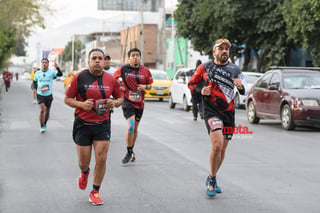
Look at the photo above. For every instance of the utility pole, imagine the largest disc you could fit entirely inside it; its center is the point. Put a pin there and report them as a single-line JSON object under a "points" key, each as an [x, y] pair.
{"points": [[73, 52], [141, 32]]}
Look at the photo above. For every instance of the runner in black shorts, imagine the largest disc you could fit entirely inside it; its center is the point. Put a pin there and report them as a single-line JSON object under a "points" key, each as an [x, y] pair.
{"points": [[129, 110], [89, 92], [44, 78], [220, 76], [46, 100], [135, 80]]}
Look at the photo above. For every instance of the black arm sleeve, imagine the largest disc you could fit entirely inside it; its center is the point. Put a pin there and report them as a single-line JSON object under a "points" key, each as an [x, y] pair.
{"points": [[59, 72]]}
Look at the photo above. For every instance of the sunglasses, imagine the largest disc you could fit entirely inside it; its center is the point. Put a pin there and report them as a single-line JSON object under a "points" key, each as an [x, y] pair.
{"points": [[220, 40]]}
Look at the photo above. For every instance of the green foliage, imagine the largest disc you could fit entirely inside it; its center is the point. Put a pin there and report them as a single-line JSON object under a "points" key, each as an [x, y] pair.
{"points": [[17, 18], [268, 27], [303, 24], [67, 53]]}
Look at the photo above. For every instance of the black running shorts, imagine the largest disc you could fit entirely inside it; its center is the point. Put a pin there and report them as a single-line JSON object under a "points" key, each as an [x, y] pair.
{"points": [[215, 123], [85, 133], [129, 110], [47, 100]]}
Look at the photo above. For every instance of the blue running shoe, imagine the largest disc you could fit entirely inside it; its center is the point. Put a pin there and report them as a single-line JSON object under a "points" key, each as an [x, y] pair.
{"points": [[211, 187], [45, 127], [218, 189]]}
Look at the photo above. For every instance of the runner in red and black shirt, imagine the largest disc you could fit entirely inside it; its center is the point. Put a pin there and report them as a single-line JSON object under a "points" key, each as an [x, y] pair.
{"points": [[89, 93], [221, 77], [135, 80], [7, 76]]}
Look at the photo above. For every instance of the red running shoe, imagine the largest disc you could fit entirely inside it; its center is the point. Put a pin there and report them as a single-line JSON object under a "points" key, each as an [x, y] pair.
{"points": [[94, 198], [83, 180]]}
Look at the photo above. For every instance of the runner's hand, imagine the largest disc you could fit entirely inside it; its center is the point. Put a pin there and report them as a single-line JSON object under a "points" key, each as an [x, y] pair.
{"points": [[237, 83], [87, 105], [206, 91], [141, 87], [111, 103]]}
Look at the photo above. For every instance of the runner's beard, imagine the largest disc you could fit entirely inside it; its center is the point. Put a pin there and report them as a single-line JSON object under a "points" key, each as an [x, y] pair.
{"points": [[223, 59]]}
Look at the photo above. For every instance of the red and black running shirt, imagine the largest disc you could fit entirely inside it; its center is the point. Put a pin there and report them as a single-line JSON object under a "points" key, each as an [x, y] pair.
{"points": [[85, 86], [221, 101], [131, 77]]}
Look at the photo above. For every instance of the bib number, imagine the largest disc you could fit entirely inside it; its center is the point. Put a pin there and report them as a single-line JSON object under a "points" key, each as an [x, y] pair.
{"points": [[44, 88], [135, 96], [101, 106]]}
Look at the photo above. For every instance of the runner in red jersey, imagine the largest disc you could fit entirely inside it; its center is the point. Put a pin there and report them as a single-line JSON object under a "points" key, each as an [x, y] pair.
{"points": [[7, 76], [135, 80], [221, 77], [89, 93]]}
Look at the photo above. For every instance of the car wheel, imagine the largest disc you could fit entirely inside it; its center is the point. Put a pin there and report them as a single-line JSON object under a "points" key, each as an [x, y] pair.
{"points": [[185, 104], [237, 101], [160, 99], [286, 118], [251, 114], [171, 104]]}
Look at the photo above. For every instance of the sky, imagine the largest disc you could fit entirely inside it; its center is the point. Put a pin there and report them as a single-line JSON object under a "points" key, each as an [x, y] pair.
{"points": [[66, 12]]}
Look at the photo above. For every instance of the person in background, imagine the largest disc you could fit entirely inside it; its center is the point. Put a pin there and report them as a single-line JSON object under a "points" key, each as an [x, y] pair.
{"points": [[89, 93], [107, 68], [196, 96], [44, 78], [135, 80], [34, 85], [7, 76], [220, 77]]}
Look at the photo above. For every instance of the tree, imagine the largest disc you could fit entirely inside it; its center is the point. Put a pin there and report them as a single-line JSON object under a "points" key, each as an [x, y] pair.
{"points": [[257, 24], [303, 25], [67, 53], [17, 19]]}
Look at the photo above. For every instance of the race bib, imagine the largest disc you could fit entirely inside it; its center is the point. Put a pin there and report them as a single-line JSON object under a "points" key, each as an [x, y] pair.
{"points": [[135, 96], [215, 123], [44, 88], [101, 106]]}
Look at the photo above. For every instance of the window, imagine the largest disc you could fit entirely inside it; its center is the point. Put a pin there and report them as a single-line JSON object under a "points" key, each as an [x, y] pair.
{"points": [[275, 80], [263, 82]]}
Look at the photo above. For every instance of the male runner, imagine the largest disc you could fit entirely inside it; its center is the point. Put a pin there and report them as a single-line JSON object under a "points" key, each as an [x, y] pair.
{"points": [[135, 80], [220, 76], [89, 93], [44, 78]]}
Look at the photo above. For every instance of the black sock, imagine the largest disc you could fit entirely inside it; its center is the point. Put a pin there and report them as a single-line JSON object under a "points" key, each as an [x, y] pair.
{"points": [[41, 125], [130, 149], [95, 187], [213, 178], [86, 172]]}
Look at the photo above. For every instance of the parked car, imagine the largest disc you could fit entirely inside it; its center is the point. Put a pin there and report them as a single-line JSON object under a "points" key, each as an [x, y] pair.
{"points": [[179, 92], [251, 77], [160, 86], [286, 93]]}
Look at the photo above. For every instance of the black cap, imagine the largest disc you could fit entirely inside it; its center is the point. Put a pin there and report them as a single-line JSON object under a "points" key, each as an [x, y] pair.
{"points": [[106, 56]]}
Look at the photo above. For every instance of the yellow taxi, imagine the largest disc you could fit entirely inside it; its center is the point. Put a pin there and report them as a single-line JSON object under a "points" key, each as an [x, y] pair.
{"points": [[160, 86], [68, 78]]}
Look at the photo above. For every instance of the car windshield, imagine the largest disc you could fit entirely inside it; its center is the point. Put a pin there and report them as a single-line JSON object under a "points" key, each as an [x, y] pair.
{"points": [[301, 80], [159, 76], [251, 78]]}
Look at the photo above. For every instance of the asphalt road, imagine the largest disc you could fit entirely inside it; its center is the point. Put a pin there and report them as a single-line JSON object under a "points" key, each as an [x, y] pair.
{"points": [[268, 171]]}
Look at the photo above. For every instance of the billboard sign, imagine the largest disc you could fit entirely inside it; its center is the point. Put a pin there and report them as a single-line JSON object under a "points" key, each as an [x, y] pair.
{"points": [[130, 5]]}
